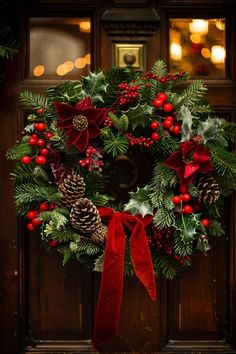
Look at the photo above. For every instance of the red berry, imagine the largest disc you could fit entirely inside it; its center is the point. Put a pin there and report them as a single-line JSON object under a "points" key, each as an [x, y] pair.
{"points": [[167, 123], [43, 206], [154, 125], [32, 141], [155, 136], [44, 151], [40, 111], [167, 107], [162, 96], [183, 189], [26, 159], [40, 142], [36, 125], [176, 129], [30, 226], [37, 222], [32, 214], [163, 80], [176, 199], [170, 118], [48, 135], [157, 103], [23, 133], [53, 243], [205, 222], [51, 206], [40, 126], [35, 136], [40, 160], [187, 209], [186, 197]]}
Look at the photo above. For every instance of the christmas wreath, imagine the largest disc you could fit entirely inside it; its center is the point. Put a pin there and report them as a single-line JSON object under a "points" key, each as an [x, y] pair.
{"points": [[63, 178]]}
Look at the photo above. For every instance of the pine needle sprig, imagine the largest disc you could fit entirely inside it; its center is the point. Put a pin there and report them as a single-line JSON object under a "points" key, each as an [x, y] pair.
{"points": [[19, 150], [29, 192], [192, 94], [166, 265], [223, 161], [116, 145], [33, 100], [229, 130]]}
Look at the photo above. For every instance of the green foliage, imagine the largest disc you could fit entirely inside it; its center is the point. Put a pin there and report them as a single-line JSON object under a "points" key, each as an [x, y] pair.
{"points": [[192, 94], [164, 216], [121, 123], [9, 49], [67, 254], [211, 130], [181, 247], [68, 91], [64, 235], [215, 229], [95, 183], [86, 246], [166, 265], [193, 190], [187, 225], [165, 146], [22, 174], [223, 161], [33, 100], [159, 68], [139, 115], [229, 130], [117, 144], [163, 179], [187, 121], [29, 192], [139, 202], [100, 199], [203, 245], [58, 219], [94, 85], [19, 150]]}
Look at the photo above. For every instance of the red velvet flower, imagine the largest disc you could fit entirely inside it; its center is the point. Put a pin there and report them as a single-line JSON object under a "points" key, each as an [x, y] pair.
{"points": [[80, 122], [190, 159]]}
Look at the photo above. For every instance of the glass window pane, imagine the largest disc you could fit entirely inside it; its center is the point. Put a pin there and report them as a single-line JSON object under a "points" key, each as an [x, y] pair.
{"points": [[198, 46], [59, 47]]}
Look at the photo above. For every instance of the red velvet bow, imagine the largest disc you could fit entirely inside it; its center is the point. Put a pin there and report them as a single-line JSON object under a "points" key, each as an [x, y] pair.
{"points": [[110, 294]]}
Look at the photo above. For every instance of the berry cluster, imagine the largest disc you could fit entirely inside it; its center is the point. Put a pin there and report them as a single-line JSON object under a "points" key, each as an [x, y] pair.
{"points": [[107, 122], [39, 140], [128, 95], [141, 141], [164, 79], [161, 239], [33, 215], [92, 159]]}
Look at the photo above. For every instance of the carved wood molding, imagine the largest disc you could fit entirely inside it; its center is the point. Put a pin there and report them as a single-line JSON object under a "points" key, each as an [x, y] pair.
{"points": [[138, 22]]}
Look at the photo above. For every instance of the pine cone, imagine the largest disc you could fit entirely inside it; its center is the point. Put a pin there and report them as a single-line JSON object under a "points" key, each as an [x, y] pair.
{"points": [[72, 187], [84, 216], [100, 234], [209, 190]]}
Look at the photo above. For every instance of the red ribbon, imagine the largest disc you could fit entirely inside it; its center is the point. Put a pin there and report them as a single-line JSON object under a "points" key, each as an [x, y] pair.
{"points": [[110, 294]]}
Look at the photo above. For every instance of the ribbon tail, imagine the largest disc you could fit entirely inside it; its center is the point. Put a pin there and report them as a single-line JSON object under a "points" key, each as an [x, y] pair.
{"points": [[141, 259], [111, 288]]}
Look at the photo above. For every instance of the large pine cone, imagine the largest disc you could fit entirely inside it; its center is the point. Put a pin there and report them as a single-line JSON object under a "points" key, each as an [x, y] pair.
{"points": [[84, 216], [209, 190], [72, 187], [100, 234]]}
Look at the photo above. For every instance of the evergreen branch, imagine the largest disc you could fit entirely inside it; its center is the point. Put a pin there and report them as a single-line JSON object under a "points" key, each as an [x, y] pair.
{"points": [[66, 235], [9, 49], [164, 217], [116, 145], [29, 192], [87, 246], [192, 94], [19, 150], [67, 254], [65, 92], [99, 199], [22, 174], [165, 146], [33, 100], [181, 247], [58, 219], [223, 161], [229, 130], [166, 265], [215, 229], [159, 68]]}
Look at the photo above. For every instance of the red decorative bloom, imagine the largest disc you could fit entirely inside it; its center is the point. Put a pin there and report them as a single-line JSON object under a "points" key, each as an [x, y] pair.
{"points": [[80, 122], [190, 159]]}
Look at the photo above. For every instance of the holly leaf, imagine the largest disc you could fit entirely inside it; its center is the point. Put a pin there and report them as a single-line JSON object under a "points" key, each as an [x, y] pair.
{"points": [[138, 115], [94, 85], [187, 121], [203, 245], [211, 129], [121, 123], [187, 225], [139, 202]]}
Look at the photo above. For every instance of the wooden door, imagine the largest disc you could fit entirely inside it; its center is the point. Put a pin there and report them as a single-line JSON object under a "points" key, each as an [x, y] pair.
{"points": [[48, 308]]}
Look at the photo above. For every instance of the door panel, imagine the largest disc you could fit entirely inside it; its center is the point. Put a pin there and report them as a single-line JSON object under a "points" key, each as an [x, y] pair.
{"points": [[48, 308]]}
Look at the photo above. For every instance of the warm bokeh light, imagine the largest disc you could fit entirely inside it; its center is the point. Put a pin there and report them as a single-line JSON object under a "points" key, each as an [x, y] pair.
{"points": [[39, 70], [199, 26], [175, 51], [220, 24], [85, 26], [206, 53], [87, 58], [195, 38], [62, 70], [217, 54], [80, 63], [69, 65]]}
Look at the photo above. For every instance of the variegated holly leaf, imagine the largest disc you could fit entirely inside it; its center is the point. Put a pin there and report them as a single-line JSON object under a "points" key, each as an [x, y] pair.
{"points": [[211, 129], [187, 225], [139, 202], [187, 121], [120, 123], [138, 115], [94, 85]]}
